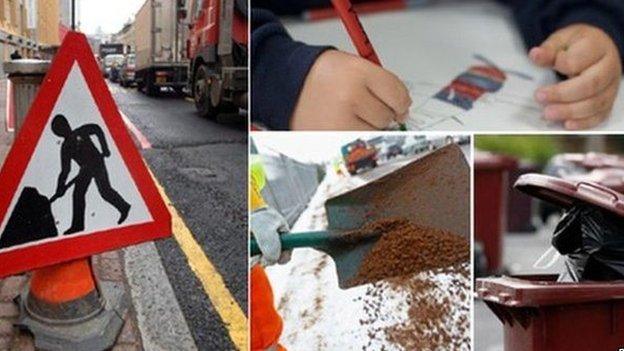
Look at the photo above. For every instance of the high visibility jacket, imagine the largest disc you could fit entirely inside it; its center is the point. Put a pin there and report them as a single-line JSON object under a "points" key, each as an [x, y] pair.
{"points": [[258, 180], [266, 323]]}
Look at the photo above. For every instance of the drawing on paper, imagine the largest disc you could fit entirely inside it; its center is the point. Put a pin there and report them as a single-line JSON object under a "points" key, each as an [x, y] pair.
{"points": [[466, 88], [461, 94]]}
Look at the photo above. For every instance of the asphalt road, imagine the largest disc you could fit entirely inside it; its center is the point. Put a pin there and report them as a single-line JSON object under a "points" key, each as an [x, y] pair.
{"points": [[202, 165]]}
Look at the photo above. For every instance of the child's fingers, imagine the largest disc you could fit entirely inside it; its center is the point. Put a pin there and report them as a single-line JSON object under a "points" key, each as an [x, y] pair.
{"points": [[580, 55], [545, 54], [602, 102], [359, 124], [592, 81], [544, 57], [586, 123], [389, 89], [373, 111]]}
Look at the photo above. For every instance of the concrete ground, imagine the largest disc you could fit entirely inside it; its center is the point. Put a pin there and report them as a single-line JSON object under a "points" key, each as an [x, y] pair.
{"points": [[188, 292]]}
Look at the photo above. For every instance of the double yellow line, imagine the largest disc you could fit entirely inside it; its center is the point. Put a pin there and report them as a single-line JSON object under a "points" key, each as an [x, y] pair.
{"points": [[230, 312]]}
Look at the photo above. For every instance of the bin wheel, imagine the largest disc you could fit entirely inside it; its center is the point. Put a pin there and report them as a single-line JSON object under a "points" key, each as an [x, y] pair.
{"points": [[207, 93]]}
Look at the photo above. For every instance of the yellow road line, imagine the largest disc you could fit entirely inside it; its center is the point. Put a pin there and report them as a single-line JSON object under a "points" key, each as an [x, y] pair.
{"points": [[230, 312]]}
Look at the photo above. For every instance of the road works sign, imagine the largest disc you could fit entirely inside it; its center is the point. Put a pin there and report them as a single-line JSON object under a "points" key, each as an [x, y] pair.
{"points": [[73, 184]]}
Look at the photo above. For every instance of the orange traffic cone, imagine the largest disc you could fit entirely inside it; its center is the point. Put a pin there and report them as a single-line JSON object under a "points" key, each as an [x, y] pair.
{"points": [[64, 310]]}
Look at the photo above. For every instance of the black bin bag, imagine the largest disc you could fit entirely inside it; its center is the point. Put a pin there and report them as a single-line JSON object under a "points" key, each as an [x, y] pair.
{"points": [[592, 239]]}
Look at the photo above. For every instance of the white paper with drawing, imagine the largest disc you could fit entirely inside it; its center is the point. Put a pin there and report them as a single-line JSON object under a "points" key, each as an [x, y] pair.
{"points": [[484, 95], [430, 46]]}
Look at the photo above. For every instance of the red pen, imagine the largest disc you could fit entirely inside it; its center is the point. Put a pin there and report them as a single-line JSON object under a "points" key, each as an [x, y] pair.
{"points": [[358, 36], [355, 29]]}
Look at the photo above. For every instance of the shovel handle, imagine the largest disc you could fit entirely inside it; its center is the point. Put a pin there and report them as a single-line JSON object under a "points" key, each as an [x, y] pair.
{"points": [[295, 240]]}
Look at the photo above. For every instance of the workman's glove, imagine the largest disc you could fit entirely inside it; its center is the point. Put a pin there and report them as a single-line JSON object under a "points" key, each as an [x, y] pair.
{"points": [[267, 225]]}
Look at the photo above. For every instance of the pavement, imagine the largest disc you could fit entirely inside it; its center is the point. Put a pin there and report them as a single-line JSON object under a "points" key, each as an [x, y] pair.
{"points": [[188, 292], [108, 267]]}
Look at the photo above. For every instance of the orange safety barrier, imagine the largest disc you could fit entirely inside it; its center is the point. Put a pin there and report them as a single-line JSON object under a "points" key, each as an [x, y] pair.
{"points": [[63, 282], [266, 323]]}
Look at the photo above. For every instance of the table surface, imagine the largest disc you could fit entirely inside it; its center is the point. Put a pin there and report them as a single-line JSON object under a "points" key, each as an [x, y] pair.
{"points": [[428, 46]]}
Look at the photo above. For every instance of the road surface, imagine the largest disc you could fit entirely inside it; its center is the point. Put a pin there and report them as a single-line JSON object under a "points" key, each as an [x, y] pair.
{"points": [[201, 164]]}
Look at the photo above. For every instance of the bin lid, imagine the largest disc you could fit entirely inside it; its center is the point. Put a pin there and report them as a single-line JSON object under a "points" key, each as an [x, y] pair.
{"points": [[544, 290], [612, 178], [593, 160], [486, 160], [565, 192], [26, 66]]}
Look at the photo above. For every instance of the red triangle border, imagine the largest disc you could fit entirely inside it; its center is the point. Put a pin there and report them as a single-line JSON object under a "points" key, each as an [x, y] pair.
{"points": [[75, 48]]}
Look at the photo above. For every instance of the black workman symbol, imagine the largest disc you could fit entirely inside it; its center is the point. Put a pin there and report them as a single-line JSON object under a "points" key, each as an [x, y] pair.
{"points": [[78, 146]]}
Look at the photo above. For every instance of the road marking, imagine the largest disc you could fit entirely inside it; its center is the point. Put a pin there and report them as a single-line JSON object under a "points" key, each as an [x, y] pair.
{"points": [[145, 144], [230, 312]]}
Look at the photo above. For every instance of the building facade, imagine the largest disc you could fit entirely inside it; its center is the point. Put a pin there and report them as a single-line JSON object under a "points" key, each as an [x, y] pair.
{"points": [[29, 27], [127, 37], [48, 20]]}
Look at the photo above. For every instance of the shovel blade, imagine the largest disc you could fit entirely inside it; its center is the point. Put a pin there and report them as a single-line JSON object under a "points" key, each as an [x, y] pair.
{"points": [[347, 255], [432, 191]]}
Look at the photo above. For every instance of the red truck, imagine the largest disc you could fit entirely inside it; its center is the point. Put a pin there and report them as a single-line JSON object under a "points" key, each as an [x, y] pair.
{"points": [[216, 45]]}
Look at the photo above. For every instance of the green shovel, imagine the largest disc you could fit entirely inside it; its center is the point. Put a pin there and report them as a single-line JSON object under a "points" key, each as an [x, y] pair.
{"points": [[432, 191], [346, 250]]}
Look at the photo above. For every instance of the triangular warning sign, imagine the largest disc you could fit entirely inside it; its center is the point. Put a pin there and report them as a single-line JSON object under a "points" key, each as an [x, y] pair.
{"points": [[73, 184]]}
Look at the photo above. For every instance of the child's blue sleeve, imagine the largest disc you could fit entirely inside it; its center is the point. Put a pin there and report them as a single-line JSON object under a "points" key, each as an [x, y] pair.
{"points": [[289, 7], [537, 19], [279, 66]]}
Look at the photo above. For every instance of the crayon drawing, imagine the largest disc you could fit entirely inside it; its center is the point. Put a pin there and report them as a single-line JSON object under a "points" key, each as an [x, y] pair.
{"points": [[479, 85]]}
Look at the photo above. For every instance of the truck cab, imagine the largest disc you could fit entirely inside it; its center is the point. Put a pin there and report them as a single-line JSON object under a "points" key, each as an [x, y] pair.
{"points": [[216, 46], [359, 155]]}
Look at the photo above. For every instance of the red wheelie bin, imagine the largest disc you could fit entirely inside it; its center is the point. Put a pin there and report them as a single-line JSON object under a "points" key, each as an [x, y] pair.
{"points": [[491, 182], [538, 312], [593, 160], [612, 178]]}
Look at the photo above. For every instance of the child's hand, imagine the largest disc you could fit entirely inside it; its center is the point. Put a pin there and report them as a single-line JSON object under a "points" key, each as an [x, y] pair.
{"points": [[343, 91], [590, 59]]}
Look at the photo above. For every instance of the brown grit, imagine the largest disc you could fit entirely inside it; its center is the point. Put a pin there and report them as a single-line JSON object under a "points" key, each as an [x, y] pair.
{"points": [[437, 316], [405, 249]]}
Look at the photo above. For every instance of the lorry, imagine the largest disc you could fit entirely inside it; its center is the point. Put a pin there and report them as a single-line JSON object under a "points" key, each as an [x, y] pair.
{"points": [[110, 49], [216, 45], [159, 62], [359, 155]]}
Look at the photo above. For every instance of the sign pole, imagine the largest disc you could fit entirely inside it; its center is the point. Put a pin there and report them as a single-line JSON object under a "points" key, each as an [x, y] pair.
{"points": [[73, 15]]}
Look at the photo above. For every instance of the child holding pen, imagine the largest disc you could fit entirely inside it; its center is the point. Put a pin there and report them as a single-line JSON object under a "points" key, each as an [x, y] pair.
{"points": [[297, 86]]}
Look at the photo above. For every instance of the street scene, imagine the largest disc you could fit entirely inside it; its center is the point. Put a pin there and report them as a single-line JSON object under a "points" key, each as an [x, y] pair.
{"points": [[364, 218], [547, 241], [138, 140]]}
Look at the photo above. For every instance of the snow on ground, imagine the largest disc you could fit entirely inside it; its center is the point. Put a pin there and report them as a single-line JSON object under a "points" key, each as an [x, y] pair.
{"points": [[317, 314]]}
